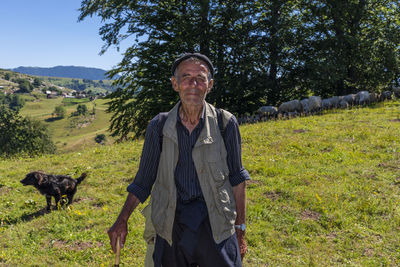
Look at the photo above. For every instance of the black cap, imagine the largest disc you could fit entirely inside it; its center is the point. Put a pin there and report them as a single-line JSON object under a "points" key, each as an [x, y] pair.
{"points": [[197, 55]]}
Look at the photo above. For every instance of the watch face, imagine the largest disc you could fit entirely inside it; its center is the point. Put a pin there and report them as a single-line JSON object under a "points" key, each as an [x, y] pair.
{"points": [[242, 227]]}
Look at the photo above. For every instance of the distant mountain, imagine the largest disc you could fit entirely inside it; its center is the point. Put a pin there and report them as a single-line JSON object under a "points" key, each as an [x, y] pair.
{"points": [[65, 72]]}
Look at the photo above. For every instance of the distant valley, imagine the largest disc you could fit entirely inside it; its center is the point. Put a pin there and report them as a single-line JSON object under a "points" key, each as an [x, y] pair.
{"points": [[65, 72]]}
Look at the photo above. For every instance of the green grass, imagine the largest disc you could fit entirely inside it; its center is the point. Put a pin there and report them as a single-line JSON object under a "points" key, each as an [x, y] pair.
{"points": [[72, 132], [64, 82], [325, 191]]}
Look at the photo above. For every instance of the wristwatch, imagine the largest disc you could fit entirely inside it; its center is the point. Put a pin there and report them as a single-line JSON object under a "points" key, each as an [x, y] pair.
{"points": [[241, 227]]}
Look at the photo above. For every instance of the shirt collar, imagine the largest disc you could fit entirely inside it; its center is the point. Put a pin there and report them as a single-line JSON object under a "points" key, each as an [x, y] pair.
{"points": [[201, 117]]}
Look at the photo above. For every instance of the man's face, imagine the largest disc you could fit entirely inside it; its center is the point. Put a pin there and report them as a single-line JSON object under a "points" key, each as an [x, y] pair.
{"points": [[192, 82]]}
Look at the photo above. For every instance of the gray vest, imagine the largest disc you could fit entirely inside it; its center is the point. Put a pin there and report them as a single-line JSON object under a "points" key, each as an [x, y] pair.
{"points": [[209, 156]]}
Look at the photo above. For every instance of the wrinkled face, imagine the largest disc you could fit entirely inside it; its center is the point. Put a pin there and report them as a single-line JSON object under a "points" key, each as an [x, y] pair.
{"points": [[192, 83]]}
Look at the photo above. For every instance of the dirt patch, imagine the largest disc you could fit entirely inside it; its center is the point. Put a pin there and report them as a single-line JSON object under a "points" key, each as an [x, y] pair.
{"points": [[371, 176], [59, 244], [76, 246], [369, 252], [4, 189], [80, 199], [254, 182], [85, 122], [332, 235], [388, 166], [299, 131], [86, 245], [395, 120], [310, 215], [397, 180], [273, 195]]}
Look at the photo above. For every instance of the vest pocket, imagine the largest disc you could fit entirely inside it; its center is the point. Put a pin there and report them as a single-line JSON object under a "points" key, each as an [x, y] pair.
{"points": [[228, 205], [158, 207], [217, 170], [149, 233]]}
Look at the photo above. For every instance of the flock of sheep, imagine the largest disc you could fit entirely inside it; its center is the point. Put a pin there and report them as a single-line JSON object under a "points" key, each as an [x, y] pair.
{"points": [[315, 104]]}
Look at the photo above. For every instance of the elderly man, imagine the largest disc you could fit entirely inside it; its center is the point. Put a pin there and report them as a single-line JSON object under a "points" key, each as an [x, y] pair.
{"points": [[191, 165]]}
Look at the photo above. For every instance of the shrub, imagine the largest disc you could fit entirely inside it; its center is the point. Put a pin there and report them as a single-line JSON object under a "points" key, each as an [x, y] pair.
{"points": [[19, 135], [81, 109], [14, 102], [25, 86], [100, 138], [60, 112], [37, 82]]}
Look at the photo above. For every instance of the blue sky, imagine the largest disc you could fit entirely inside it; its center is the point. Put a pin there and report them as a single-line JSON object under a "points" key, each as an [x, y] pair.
{"points": [[46, 33]]}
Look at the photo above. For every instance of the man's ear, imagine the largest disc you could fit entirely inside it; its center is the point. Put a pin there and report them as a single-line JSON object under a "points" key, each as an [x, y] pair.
{"points": [[210, 85], [174, 83]]}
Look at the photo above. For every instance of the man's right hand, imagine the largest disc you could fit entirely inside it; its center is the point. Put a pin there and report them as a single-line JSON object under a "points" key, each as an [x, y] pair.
{"points": [[119, 228]]}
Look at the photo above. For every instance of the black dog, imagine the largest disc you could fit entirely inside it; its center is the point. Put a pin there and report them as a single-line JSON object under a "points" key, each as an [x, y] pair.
{"points": [[57, 186]]}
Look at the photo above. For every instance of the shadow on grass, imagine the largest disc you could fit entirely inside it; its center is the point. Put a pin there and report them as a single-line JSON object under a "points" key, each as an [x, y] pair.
{"points": [[26, 217], [53, 119]]}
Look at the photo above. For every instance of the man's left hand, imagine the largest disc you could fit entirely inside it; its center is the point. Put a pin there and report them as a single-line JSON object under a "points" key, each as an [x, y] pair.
{"points": [[242, 242]]}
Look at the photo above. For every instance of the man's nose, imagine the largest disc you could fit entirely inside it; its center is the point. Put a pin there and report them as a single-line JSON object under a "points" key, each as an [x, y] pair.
{"points": [[193, 81]]}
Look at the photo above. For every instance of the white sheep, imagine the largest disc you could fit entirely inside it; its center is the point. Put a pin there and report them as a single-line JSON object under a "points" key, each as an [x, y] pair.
{"points": [[290, 106], [314, 103], [304, 105], [350, 99], [327, 103], [268, 112], [362, 98], [343, 104], [386, 95]]}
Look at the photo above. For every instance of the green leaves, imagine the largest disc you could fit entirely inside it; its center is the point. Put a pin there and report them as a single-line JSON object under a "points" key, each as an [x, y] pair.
{"points": [[19, 135], [264, 52]]}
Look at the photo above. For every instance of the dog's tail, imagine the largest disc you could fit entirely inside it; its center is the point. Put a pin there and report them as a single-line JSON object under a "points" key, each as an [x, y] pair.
{"points": [[80, 179]]}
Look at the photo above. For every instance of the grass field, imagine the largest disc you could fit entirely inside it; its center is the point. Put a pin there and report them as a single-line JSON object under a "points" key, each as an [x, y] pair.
{"points": [[72, 132], [65, 82], [325, 191]]}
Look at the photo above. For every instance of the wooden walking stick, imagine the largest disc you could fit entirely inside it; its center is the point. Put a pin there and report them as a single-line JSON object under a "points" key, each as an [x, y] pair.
{"points": [[117, 253]]}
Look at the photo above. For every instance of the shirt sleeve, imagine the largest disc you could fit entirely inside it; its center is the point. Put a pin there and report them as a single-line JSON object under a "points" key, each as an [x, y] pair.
{"points": [[232, 139], [147, 173]]}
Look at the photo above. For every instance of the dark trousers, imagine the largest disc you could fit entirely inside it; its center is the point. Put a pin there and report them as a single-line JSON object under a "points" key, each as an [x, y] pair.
{"points": [[196, 249]]}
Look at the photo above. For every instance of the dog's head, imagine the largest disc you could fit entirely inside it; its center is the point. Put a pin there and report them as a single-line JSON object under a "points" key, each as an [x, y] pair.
{"points": [[33, 178]]}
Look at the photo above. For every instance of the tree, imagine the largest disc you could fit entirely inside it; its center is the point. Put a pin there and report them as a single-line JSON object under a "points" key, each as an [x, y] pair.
{"points": [[351, 45], [14, 102], [37, 82], [25, 86], [19, 135], [144, 89], [81, 109], [60, 112], [100, 138], [265, 52]]}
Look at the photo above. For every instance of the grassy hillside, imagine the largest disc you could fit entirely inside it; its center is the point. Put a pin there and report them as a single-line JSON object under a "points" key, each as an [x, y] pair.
{"points": [[71, 132], [325, 191], [8, 83], [74, 83]]}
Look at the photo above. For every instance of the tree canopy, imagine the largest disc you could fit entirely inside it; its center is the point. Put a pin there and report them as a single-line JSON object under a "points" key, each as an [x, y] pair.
{"points": [[14, 101], [19, 135], [264, 52]]}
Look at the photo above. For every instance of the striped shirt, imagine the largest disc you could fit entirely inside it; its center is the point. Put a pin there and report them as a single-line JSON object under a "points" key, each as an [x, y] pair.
{"points": [[186, 180]]}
